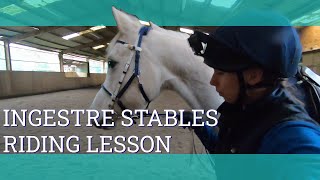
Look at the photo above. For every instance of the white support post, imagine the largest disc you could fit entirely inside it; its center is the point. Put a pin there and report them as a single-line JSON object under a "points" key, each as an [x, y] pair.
{"points": [[88, 73], [7, 55], [61, 62]]}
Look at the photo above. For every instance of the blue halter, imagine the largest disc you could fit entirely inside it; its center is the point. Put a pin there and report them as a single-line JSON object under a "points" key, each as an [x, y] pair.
{"points": [[142, 32]]}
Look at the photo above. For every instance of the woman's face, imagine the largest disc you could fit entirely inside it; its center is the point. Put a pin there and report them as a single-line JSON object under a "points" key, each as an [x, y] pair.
{"points": [[226, 84]]}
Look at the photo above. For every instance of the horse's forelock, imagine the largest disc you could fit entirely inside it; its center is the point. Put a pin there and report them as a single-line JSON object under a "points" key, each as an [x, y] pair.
{"points": [[112, 43]]}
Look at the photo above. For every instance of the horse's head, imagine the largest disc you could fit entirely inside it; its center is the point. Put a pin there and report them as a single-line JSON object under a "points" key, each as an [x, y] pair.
{"points": [[132, 80], [143, 61]]}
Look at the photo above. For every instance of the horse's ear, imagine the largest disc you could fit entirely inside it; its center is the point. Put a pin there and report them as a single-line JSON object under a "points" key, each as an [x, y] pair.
{"points": [[155, 27], [125, 22]]}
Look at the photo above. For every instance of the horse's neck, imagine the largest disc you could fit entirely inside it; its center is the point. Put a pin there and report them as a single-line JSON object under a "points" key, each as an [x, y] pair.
{"points": [[190, 77]]}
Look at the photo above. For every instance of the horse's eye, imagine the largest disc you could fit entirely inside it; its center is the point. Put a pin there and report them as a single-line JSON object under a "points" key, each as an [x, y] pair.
{"points": [[112, 63]]}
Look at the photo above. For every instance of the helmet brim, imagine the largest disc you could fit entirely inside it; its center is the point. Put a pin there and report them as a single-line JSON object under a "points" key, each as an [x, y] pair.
{"points": [[219, 56]]}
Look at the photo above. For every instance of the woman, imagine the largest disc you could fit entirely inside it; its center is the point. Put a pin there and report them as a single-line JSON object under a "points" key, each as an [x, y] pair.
{"points": [[259, 115]]}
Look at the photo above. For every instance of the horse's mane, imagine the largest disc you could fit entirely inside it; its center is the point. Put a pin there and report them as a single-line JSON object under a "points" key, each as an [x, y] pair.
{"points": [[180, 36], [177, 34], [171, 33]]}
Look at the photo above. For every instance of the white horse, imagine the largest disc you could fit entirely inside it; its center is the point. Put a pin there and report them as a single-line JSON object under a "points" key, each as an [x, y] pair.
{"points": [[166, 62]]}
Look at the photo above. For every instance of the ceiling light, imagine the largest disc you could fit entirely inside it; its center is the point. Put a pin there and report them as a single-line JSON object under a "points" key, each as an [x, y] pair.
{"points": [[95, 28], [98, 47], [188, 31], [70, 36]]}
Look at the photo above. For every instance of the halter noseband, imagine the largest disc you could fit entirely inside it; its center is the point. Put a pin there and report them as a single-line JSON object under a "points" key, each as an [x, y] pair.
{"points": [[136, 74]]}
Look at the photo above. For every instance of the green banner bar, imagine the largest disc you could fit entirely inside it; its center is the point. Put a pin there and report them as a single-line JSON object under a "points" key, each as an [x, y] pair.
{"points": [[143, 166], [161, 12]]}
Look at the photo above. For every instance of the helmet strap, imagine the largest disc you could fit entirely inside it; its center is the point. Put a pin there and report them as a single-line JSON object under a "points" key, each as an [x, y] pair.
{"points": [[242, 88]]}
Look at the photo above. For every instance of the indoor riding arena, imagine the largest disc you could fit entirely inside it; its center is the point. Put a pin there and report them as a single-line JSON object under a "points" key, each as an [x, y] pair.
{"points": [[42, 68], [48, 69]]}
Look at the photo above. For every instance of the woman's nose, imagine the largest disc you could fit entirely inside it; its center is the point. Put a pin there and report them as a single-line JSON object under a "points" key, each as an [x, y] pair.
{"points": [[213, 80]]}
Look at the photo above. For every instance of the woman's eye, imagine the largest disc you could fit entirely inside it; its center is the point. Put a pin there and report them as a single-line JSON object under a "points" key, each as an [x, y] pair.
{"points": [[112, 63]]}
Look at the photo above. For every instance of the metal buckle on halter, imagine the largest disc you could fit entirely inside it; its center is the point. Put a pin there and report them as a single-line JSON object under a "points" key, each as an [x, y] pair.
{"points": [[126, 67], [134, 48], [138, 48], [138, 77], [130, 46]]}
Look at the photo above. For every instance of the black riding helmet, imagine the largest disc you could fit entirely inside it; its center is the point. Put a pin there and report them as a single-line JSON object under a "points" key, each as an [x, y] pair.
{"points": [[276, 49]]}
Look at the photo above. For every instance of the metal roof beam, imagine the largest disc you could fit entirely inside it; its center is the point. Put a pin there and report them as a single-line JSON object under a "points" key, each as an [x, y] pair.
{"points": [[94, 43], [32, 34]]}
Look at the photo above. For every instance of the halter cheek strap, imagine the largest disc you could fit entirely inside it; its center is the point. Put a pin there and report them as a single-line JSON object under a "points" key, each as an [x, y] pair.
{"points": [[136, 74]]}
